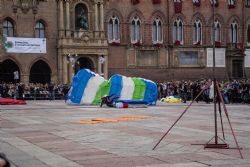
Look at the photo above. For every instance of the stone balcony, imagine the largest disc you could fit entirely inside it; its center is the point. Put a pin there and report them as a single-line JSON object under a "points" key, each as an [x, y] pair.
{"points": [[82, 37], [83, 42], [235, 49]]}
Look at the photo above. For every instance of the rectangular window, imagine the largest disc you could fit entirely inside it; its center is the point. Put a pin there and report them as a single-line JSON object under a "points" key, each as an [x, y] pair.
{"points": [[137, 33], [147, 58], [37, 35], [247, 3], [220, 60], [10, 33], [110, 32], [174, 33], [179, 33], [116, 32], [154, 33], [42, 34], [247, 58], [160, 33], [188, 58], [248, 34], [5, 32]]}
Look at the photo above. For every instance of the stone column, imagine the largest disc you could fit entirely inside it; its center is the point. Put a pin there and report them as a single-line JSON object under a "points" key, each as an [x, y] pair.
{"points": [[71, 73], [59, 68], [24, 78], [106, 67], [101, 17], [99, 65], [96, 17], [67, 19], [61, 19], [65, 70]]}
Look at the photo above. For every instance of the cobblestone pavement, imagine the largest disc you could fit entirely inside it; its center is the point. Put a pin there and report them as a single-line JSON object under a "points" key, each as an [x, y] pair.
{"points": [[49, 133]]}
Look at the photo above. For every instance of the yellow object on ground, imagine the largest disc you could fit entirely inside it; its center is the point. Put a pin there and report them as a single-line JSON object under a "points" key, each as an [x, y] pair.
{"points": [[107, 120], [171, 99]]}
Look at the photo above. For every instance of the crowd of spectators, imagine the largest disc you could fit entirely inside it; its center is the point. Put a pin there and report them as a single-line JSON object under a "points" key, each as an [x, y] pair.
{"points": [[33, 91], [232, 91]]}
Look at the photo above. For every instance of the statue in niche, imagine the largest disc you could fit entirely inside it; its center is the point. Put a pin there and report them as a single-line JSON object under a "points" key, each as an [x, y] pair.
{"points": [[83, 20]]}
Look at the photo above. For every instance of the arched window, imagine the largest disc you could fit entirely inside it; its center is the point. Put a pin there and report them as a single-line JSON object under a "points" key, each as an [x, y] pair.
{"points": [[8, 28], [113, 29], [40, 30], [234, 32], [81, 17], [217, 31], [196, 1], [247, 3], [157, 31], [248, 33], [214, 2], [231, 2], [178, 31], [135, 30], [197, 32]]}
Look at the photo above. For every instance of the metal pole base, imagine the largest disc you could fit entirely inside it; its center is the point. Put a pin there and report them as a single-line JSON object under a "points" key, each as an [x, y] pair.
{"points": [[213, 145]]}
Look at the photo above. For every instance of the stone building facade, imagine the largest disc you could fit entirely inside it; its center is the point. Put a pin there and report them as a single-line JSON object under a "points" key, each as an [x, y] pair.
{"points": [[155, 39], [185, 48], [73, 30], [19, 19]]}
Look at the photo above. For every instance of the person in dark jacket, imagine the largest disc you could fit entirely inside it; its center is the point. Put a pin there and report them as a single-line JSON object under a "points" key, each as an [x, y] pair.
{"points": [[4, 162], [51, 91]]}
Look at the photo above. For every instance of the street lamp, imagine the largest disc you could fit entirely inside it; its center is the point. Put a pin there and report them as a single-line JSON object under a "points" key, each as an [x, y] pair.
{"points": [[101, 61]]}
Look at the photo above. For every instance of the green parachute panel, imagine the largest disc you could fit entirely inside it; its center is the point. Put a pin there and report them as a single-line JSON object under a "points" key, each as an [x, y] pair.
{"points": [[140, 88], [102, 91]]}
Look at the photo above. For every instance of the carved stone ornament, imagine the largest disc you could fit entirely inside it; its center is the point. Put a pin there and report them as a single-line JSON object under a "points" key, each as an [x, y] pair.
{"points": [[25, 5], [85, 38]]}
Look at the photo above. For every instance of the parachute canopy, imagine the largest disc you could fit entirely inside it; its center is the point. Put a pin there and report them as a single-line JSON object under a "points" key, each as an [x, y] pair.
{"points": [[88, 88]]}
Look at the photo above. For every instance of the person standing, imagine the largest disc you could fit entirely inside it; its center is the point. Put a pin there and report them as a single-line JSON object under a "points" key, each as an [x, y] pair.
{"points": [[16, 76], [20, 91], [51, 91], [183, 91]]}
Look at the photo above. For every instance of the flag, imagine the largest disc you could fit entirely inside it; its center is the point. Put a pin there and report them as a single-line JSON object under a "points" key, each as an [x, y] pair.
{"points": [[178, 7]]}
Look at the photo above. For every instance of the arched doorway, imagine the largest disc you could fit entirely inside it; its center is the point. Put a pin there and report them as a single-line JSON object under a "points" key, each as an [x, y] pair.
{"points": [[7, 69], [84, 62], [40, 72]]}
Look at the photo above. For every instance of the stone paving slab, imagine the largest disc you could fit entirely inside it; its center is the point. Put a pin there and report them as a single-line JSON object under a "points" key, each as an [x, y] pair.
{"points": [[48, 133]]}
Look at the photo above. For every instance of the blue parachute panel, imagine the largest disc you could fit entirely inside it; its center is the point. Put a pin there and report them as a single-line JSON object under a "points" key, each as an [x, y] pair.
{"points": [[116, 85], [80, 81], [151, 92]]}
